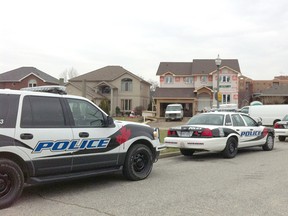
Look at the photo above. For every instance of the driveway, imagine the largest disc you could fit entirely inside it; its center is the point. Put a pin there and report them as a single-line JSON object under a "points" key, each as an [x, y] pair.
{"points": [[161, 123]]}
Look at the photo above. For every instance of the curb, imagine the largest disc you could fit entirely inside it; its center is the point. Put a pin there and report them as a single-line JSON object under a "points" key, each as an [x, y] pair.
{"points": [[172, 154]]}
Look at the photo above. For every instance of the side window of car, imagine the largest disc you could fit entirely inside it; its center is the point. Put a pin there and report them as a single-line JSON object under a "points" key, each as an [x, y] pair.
{"points": [[249, 121], [42, 112], [228, 121], [237, 120], [85, 114], [8, 110]]}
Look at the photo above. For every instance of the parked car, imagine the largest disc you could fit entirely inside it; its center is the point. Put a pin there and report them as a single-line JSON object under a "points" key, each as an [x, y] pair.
{"points": [[281, 128], [47, 137], [224, 132], [174, 112]]}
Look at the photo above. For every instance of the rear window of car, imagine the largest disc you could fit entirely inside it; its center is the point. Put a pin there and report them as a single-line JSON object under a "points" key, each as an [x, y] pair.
{"points": [[8, 110], [42, 112], [207, 119]]}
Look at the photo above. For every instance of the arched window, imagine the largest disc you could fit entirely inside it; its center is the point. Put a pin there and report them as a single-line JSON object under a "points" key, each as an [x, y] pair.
{"points": [[32, 83], [126, 84], [105, 89]]}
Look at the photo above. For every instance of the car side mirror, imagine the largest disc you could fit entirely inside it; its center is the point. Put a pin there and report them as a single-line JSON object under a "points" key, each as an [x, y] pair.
{"points": [[109, 121]]}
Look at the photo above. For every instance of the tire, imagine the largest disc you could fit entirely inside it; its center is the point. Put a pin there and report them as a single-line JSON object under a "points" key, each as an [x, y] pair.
{"points": [[138, 163], [187, 152], [269, 145], [282, 138], [11, 182], [231, 148]]}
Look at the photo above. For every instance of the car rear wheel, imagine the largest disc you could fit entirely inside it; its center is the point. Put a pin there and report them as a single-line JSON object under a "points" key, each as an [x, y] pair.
{"points": [[187, 152], [231, 148], [269, 145], [138, 163], [282, 138], [11, 182]]}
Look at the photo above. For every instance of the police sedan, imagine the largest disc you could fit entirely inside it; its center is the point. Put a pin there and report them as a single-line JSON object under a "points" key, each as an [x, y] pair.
{"points": [[224, 132]]}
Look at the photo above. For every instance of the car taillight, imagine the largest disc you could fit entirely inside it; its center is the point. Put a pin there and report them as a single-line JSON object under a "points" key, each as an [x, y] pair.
{"points": [[207, 133], [171, 133], [276, 125]]}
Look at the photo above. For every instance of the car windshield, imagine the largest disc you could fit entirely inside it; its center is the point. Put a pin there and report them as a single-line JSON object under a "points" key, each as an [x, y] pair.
{"points": [[207, 119], [173, 108]]}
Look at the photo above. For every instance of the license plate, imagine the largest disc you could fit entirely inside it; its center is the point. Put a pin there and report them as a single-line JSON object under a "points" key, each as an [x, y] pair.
{"points": [[186, 133]]}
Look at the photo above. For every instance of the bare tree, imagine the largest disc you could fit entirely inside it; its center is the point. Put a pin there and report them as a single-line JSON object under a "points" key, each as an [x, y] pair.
{"points": [[68, 74], [154, 84]]}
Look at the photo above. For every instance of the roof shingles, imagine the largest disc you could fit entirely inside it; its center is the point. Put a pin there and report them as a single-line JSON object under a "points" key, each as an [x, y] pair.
{"points": [[18, 74]]}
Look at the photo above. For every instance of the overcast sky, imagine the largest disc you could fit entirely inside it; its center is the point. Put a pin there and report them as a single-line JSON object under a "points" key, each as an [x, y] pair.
{"points": [[55, 36]]}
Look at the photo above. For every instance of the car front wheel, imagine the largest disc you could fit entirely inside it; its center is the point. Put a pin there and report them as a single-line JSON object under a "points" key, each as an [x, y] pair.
{"points": [[269, 145], [138, 163], [231, 148]]}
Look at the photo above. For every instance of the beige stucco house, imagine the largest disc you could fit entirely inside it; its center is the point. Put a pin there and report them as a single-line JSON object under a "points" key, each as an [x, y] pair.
{"points": [[122, 88]]}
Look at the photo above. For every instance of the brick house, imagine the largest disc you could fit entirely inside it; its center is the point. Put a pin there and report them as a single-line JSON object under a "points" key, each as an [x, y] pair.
{"points": [[122, 88], [193, 84], [26, 77]]}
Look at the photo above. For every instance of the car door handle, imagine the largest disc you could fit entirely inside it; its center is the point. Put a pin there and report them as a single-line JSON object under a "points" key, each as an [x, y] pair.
{"points": [[83, 134], [26, 136]]}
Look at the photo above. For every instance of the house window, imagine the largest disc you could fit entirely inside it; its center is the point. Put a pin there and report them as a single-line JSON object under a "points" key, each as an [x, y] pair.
{"points": [[203, 79], [126, 84], [188, 80], [105, 89], [275, 84], [126, 105], [32, 83], [226, 98], [225, 78], [168, 79]]}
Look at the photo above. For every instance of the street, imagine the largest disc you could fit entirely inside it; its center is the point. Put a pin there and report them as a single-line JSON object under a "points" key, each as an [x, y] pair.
{"points": [[253, 183]]}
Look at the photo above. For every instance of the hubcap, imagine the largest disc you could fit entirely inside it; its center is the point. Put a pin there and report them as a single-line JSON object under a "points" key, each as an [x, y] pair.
{"points": [[232, 147], [270, 141], [139, 162]]}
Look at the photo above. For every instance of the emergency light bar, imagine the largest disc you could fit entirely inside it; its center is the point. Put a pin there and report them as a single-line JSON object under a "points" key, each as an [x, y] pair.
{"points": [[50, 89]]}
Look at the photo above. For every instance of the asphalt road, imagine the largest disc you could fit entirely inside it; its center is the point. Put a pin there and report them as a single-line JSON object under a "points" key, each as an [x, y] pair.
{"points": [[253, 183]]}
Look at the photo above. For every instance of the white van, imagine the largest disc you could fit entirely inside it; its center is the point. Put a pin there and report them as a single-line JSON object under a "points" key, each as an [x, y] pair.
{"points": [[269, 114], [174, 112]]}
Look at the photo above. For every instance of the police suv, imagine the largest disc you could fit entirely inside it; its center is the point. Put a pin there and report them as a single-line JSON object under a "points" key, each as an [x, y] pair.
{"points": [[46, 137], [224, 132]]}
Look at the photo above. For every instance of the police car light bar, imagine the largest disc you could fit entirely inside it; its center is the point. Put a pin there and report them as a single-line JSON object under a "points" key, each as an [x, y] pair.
{"points": [[50, 89]]}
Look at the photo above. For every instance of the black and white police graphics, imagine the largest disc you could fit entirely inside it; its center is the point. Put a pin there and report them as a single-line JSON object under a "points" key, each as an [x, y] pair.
{"points": [[224, 132], [46, 137]]}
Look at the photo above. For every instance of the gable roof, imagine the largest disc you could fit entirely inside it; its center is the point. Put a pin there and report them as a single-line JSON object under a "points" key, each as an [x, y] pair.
{"points": [[207, 66], [177, 68], [174, 93], [108, 73], [18, 74], [198, 66]]}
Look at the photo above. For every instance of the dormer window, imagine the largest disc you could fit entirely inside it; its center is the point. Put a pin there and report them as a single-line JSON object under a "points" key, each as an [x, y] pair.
{"points": [[188, 80], [168, 79], [225, 78], [32, 83]]}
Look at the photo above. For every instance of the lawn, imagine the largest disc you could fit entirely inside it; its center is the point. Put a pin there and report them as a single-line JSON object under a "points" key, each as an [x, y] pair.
{"points": [[163, 132]]}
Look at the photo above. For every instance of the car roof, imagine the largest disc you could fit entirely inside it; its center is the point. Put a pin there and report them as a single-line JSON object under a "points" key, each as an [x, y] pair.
{"points": [[38, 93]]}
